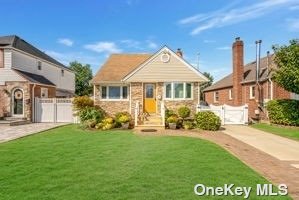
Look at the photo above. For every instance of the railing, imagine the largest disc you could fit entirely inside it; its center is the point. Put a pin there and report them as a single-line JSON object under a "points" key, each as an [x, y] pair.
{"points": [[137, 110], [163, 112]]}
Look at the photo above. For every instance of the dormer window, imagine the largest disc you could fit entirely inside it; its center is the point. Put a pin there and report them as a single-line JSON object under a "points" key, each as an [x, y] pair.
{"points": [[62, 72], [39, 65]]}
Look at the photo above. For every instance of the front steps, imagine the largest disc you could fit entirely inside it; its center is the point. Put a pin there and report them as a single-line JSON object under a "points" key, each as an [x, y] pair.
{"points": [[13, 121], [153, 121]]}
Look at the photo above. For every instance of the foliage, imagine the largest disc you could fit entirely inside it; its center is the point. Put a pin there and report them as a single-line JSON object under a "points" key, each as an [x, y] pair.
{"points": [[285, 112], [207, 120], [107, 123], [206, 84], [83, 75], [287, 61], [122, 117], [188, 125], [91, 113], [184, 112], [172, 119], [169, 113], [90, 123], [82, 102]]}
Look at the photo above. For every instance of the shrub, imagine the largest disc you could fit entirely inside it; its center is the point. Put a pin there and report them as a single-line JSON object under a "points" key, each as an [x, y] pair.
{"points": [[107, 123], [90, 123], [172, 119], [91, 113], [169, 113], [207, 121], [122, 117], [184, 112], [284, 111], [82, 102], [187, 125]]}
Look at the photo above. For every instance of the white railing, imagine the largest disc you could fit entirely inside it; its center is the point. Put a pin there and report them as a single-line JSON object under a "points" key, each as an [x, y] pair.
{"points": [[228, 114], [137, 109], [163, 112]]}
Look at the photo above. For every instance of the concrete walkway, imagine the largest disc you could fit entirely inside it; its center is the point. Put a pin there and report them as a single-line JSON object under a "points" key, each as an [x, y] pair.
{"points": [[8, 133], [279, 147]]}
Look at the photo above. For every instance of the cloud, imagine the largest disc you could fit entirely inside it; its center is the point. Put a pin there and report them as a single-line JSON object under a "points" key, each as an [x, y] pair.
{"points": [[295, 7], [209, 41], [66, 42], [103, 47], [131, 43], [224, 48], [151, 44], [293, 24], [228, 15]]}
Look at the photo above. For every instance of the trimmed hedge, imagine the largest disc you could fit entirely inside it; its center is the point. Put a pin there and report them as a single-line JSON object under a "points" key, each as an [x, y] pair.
{"points": [[284, 112], [207, 120]]}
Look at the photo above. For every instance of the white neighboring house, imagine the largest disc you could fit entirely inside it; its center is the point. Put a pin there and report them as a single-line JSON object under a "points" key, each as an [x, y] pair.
{"points": [[25, 73]]}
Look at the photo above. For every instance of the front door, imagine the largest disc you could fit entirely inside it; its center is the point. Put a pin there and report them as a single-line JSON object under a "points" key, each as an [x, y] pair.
{"points": [[150, 97], [18, 103]]}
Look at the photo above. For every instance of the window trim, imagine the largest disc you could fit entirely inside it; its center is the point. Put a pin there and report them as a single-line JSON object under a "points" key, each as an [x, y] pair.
{"points": [[230, 94], [250, 92], [215, 96], [121, 93], [173, 91]]}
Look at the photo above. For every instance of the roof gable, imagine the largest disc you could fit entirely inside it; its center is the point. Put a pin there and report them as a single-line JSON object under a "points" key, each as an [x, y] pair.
{"points": [[173, 69]]}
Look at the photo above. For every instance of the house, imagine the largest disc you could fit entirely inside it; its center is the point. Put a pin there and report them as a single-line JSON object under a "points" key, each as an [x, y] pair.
{"points": [[25, 73], [245, 86], [147, 82]]}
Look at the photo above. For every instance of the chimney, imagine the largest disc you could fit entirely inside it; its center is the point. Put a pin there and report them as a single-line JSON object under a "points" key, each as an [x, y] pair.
{"points": [[238, 71], [179, 52]]}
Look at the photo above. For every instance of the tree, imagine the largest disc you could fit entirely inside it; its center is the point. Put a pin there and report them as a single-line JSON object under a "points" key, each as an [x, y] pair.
{"points": [[206, 84], [83, 74], [287, 60]]}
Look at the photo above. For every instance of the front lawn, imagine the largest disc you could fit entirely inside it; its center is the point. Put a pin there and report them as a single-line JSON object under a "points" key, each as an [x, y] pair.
{"points": [[69, 163], [282, 131]]}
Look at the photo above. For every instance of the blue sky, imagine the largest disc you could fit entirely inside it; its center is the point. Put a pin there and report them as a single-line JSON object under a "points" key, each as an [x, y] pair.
{"points": [[88, 31]]}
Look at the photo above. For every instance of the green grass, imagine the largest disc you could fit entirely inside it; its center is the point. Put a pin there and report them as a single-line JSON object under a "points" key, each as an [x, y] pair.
{"points": [[69, 163], [291, 133]]}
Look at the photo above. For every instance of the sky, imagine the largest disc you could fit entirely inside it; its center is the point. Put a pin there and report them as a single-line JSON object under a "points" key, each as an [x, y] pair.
{"points": [[89, 31]]}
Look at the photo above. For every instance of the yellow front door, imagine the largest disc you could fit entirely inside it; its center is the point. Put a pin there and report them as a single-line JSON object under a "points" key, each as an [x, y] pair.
{"points": [[150, 97]]}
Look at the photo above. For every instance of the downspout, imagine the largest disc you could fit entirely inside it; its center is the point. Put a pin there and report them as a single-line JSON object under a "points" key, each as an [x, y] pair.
{"points": [[33, 103], [258, 58]]}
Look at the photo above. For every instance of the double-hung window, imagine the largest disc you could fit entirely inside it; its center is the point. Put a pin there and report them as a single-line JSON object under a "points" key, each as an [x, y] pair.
{"points": [[178, 91], [114, 92]]}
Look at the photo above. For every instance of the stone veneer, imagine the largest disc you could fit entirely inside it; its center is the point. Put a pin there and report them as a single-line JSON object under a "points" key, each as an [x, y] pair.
{"points": [[5, 98]]}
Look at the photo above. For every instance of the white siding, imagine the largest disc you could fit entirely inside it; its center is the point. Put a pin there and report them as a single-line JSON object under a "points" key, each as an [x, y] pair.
{"points": [[9, 75], [28, 63], [7, 59], [174, 70]]}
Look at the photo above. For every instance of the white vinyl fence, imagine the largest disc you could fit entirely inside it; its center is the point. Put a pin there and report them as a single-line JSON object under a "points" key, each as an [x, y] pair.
{"points": [[228, 114], [53, 110]]}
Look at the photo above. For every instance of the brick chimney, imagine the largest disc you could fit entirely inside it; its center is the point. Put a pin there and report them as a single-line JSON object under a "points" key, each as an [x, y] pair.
{"points": [[238, 71], [179, 52]]}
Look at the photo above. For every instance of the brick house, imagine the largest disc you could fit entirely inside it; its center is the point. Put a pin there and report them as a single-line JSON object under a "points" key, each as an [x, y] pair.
{"points": [[147, 81], [25, 73], [241, 87]]}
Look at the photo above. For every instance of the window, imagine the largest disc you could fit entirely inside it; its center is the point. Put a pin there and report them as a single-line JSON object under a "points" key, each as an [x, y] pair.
{"points": [[230, 94], [62, 72], [216, 96], [39, 65], [114, 92], [178, 91], [44, 92], [252, 92]]}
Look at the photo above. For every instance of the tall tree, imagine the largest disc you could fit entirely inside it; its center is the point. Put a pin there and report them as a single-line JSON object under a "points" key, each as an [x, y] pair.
{"points": [[83, 75], [206, 84], [287, 60]]}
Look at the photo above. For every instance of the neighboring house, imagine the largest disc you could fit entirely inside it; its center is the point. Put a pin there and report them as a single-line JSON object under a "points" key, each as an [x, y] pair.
{"points": [[144, 80], [25, 73], [241, 87]]}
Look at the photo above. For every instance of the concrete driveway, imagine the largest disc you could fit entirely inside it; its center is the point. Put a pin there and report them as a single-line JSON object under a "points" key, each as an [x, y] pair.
{"points": [[279, 147], [8, 133]]}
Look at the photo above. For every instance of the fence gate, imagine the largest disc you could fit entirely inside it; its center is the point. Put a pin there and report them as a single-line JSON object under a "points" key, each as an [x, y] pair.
{"points": [[53, 110], [228, 114]]}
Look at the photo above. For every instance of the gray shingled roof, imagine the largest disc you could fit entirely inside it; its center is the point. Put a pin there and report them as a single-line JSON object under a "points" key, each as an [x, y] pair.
{"points": [[18, 43], [34, 78], [248, 76]]}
